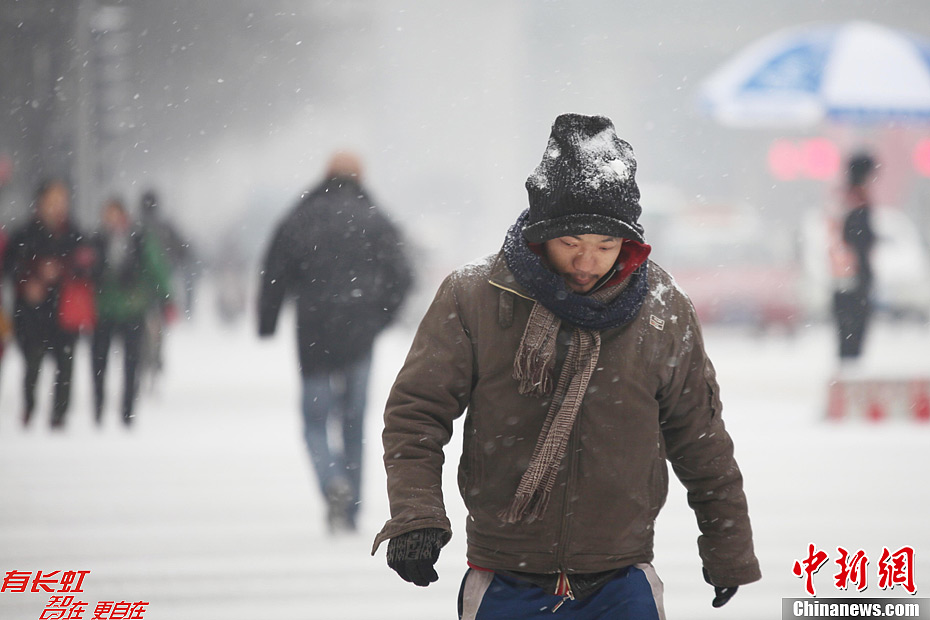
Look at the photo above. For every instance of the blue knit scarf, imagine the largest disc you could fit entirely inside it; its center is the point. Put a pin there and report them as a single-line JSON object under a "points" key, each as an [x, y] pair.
{"points": [[550, 290]]}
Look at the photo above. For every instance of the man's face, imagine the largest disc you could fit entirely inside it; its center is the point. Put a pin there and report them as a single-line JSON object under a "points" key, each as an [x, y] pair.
{"points": [[582, 260]]}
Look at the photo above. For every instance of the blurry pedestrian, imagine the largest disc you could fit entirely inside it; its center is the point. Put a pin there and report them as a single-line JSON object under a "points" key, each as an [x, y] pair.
{"points": [[230, 267], [179, 253], [6, 324], [174, 245], [48, 263], [852, 305], [131, 278], [175, 253], [343, 261], [583, 370]]}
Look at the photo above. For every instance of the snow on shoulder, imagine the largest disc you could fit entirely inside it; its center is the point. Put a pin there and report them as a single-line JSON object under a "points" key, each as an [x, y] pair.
{"points": [[478, 266]]}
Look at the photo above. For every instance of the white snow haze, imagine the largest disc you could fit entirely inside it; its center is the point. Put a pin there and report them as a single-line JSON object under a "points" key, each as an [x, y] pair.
{"points": [[207, 508]]}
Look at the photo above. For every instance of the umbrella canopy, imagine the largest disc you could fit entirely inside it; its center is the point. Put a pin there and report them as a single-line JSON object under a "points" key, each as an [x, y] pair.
{"points": [[856, 72]]}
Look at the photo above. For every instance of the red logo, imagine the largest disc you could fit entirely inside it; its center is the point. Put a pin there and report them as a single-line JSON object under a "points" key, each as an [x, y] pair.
{"points": [[894, 568], [68, 607]]}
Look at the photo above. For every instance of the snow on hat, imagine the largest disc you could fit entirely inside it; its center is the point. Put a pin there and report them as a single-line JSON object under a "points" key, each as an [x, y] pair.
{"points": [[585, 183]]}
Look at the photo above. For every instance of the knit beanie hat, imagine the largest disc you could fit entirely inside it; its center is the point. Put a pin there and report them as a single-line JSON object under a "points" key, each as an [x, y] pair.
{"points": [[585, 183]]}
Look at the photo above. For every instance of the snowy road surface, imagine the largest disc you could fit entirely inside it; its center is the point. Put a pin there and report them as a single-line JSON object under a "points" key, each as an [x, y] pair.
{"points": [[206, 509]]}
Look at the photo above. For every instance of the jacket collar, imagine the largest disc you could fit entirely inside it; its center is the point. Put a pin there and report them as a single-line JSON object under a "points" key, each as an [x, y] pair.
{"points": [[502, 278]]}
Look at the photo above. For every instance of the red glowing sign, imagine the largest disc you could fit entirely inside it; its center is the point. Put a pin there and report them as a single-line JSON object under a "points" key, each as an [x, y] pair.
{"points": [[814, 158], [921, 157]]}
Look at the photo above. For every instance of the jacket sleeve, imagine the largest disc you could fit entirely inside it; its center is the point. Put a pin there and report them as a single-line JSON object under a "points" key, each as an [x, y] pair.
{"points": [[701, 453], [12, 257], [431, 391], [273, 283], [392, 253]]}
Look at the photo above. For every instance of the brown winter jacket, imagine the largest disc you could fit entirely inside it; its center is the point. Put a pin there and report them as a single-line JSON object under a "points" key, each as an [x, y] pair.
{"points": [[653, 397]]}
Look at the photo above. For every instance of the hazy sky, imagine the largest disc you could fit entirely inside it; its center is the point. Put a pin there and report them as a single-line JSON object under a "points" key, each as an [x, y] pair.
{"points": [[238, 103]]}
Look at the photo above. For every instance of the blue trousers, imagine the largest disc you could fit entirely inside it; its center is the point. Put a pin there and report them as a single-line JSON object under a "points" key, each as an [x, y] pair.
{"points": [[337, 399], [633, 595]]}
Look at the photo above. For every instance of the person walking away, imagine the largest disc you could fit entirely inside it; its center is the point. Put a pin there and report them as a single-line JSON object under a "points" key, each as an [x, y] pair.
{"points": [[582, 368], [230, 266], [45, 258], [131, 279], [175, 253], [852, 305], [344, 262]]}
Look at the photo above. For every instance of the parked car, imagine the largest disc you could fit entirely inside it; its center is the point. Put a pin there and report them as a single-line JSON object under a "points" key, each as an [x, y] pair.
{"points": [[737, 268]]}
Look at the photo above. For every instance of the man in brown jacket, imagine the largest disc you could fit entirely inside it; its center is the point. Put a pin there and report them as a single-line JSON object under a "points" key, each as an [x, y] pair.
{"points": [[582, 368]]}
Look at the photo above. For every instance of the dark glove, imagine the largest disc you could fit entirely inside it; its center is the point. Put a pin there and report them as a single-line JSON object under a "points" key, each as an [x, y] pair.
{"points": [[413, 555], [721, 595]]}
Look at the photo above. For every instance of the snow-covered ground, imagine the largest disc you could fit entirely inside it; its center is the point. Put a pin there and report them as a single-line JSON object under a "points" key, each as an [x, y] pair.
{"points": [[207, 508]]}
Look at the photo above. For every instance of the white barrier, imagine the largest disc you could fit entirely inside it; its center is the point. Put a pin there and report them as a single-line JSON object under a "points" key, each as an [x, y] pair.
{"points": [[878, 399]]}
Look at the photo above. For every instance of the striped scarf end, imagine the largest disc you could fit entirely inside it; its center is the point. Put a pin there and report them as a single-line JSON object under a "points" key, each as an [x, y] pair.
{"points": [[526, 507]]}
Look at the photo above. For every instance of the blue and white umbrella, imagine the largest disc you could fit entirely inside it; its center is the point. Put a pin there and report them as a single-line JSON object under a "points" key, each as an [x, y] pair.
{"points": [[857, 72]]}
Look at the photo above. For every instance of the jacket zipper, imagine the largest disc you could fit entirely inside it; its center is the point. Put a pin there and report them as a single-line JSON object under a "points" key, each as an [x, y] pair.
{"points": [[563, 586], [509, 290]]}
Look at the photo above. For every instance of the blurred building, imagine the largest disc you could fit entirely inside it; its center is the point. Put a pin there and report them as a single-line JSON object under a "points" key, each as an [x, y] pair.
{"points": [[69, 93], [231, 107], [36, 88]]}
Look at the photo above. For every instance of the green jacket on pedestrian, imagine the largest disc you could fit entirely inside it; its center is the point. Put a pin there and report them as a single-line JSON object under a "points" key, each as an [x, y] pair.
{"points": [[132, 277]]}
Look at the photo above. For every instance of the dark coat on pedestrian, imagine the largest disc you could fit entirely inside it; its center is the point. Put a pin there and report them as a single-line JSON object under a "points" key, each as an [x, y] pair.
{"points": [[859, 235], [852, 305], [345, 264], [39, 262], [652, 399], [6, 324]]}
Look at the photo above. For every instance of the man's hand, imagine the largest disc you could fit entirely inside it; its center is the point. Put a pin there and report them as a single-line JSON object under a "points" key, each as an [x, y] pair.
{"points": [[722, 595], [412, 555]]}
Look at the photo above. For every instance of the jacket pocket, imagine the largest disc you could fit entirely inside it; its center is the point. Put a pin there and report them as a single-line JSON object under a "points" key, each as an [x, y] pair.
{"points": [[713, 389], [470, 475], [659, 483]]}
